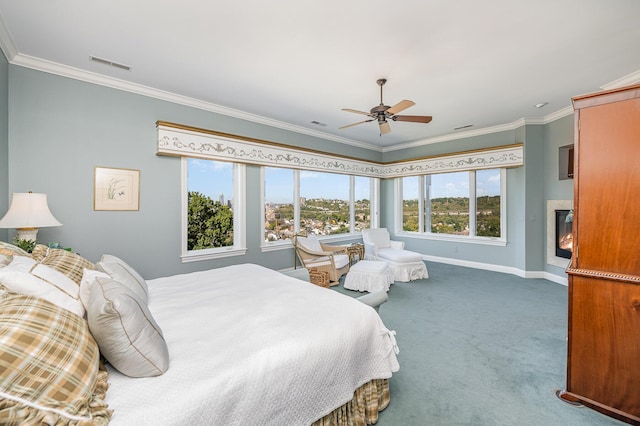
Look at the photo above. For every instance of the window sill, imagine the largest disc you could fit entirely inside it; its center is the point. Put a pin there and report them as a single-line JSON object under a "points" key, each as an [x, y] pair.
{"points": [[198, 255], [489, 241], [327, 239]]}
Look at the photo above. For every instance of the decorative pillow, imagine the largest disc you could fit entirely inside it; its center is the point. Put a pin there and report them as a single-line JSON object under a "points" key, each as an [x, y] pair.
{"points": [[39, 252], [6, 256], [128, 336], [49, 365], [88, 277], [23, 275], [311, 243], [70, 264], [15, 250], [120, 271]]}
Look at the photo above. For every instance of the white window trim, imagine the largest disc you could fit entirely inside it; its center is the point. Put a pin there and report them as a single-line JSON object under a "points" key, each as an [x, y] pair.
{"points": [[239, 247], [471, 239]]}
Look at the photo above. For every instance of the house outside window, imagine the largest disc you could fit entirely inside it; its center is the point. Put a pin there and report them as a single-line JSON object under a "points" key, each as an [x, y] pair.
{"points": [[213, 209], [316, 202], [279, 206], [459, 205]]}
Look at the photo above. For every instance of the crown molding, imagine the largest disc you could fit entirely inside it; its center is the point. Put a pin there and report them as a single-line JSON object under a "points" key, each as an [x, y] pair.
{"points": [[14, 57], [50, 67], [119, 84], [6, 41], [627, 80]]}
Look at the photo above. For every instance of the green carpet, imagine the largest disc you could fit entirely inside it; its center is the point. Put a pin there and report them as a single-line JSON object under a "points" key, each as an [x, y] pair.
{"points": [[479, 348]]}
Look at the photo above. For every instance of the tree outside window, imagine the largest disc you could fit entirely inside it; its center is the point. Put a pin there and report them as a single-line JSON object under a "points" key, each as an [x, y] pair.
{"points": [[210, 204]]}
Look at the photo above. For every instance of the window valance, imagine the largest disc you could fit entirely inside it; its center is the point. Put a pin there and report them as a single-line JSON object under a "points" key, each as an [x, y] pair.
{"points": [[184, 141]]}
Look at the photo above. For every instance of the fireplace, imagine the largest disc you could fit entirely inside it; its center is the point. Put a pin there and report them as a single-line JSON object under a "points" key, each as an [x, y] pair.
{"points": [[552, 238], [564, 235]]}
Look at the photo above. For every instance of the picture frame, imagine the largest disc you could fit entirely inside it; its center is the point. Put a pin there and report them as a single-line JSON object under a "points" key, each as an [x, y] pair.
{"points": [[116, 189]]}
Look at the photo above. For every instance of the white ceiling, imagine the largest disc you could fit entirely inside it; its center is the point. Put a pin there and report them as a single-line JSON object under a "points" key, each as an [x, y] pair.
{"points": [[291, 62]]}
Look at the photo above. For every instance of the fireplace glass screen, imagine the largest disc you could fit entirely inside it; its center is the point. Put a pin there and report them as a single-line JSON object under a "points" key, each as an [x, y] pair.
{"points": [[564, 235]]}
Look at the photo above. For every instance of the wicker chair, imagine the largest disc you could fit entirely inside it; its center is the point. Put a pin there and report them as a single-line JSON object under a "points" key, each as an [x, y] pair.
{"points": [[318, 257]]}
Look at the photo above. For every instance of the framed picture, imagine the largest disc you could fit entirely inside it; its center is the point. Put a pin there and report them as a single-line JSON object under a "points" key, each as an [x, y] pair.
{"points": [[116, 189]]}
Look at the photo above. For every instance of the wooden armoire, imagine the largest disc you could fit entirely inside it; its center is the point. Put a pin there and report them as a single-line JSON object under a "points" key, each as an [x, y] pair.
{"points": [[603, 353]]}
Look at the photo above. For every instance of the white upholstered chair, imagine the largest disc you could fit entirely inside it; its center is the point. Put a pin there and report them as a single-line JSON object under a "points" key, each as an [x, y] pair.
{"points": [[324, 257], [406, 265]]}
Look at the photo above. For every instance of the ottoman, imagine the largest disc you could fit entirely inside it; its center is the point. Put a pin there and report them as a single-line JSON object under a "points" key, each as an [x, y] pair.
{"points": [[369, 275]]}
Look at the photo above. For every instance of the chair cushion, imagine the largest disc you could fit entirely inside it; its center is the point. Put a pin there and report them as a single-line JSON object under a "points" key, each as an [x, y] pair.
{"points": [[341, 260], [378, 236], [311, 243], [399, 256]]}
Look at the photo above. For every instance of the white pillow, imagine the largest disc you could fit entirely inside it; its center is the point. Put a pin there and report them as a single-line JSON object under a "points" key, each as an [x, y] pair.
{"points": [[128, 336], [311, 243], [120, 271], [88, 276], [25, 276]]}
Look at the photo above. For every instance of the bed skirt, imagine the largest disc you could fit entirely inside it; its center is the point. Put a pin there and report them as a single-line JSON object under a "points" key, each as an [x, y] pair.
{"points": [[368, 400]]}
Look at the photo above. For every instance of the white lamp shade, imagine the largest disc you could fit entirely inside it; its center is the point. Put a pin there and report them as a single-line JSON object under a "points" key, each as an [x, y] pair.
{"points": [[28, 210]]}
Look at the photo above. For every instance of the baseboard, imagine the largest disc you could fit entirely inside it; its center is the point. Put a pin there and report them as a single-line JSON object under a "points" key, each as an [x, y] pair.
{"points": [[488, 267], [498, 268]]}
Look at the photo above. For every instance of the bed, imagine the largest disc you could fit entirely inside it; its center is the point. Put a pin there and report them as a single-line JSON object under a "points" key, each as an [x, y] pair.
{"points": [[247, 345]]}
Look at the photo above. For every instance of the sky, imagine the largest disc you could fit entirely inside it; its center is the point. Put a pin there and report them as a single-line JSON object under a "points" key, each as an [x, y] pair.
{"points": [[455, 184], [213, 178]]}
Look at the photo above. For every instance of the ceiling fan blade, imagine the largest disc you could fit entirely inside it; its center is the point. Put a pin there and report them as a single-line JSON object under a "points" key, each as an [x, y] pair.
{"points": [[356, 111], [413, 118], [354, 124], [400, 106], [384, 128]]}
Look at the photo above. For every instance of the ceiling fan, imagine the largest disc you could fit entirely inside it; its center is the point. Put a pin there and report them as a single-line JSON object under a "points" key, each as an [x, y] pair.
{"points": [[382, 113]]}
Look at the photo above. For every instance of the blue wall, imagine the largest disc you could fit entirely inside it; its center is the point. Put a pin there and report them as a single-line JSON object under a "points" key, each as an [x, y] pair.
{"points": [[60, 129]]}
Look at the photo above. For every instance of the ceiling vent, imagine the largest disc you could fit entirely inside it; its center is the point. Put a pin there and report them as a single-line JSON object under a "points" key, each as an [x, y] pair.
{"points": [[463, 127], [111, 63]]}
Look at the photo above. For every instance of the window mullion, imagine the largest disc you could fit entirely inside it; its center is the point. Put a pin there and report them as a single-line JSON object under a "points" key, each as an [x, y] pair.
{"points": [[421, 209], [472, 203], [427, 198], [352, 202], [296, 200]]}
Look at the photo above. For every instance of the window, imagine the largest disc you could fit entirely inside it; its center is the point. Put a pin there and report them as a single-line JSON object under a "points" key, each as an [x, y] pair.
{"points": [[321, 203], [362, 208], [467, 204], [410, 200], [448, 196], [213, 209], [324, 203], [279, 220], [488, 203]]}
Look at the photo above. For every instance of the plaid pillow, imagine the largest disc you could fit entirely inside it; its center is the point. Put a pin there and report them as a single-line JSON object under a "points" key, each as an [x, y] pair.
{"points": [[15, 250], [49, 365], [70, 264], [6, 256]]}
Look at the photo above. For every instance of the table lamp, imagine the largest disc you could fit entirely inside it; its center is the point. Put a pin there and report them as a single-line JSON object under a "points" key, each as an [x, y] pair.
{"points": [[27, 213]]}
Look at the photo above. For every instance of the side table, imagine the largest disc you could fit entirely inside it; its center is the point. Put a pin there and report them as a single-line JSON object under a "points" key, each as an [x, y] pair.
{"points": [[353, 250]]}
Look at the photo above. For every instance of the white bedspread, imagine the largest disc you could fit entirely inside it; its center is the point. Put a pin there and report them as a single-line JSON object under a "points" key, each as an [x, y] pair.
{"points": [[251, 346]]}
